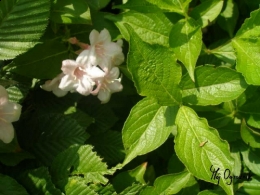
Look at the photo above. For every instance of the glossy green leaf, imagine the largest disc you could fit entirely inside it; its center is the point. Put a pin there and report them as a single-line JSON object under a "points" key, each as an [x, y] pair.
{"points": [[246, 45], [132, 190], [212, 86], [152, 68], [78, 160], [147, 127], [153, 28], [22, 24], [178, 6], [168, 184], [201, 150], [76, 186], [38, 181], [186, 41], [250, 187], [207, 11], [212, 192], [127, 178], [8, 185], [227, 19], [225, 53], [70, 12], [251, 158], [250, 136], [43, 61]]}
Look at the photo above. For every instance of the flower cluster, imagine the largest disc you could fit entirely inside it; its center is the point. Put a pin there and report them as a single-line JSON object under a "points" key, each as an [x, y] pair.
{"points": [[9, 112], [95, 70]]}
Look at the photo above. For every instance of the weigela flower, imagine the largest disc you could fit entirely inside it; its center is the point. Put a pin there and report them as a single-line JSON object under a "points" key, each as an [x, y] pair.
{"points": [[53, 85], [79, 74], [104, 52], [9, 112], [109, 84]]}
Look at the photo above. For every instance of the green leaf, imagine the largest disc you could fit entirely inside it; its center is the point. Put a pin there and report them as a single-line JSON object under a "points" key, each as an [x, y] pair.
{"points": [[109, 145], [38, 181], [250, 136], [207, 11], [225, 53], [140, 6], [212, 86], [98, 4], [43, 61], [186, 41], [132, 190], [212, 192], [22, 24], [76, 186], [175, 165], [168, 184], [201, 150], [191, 187], [251, 158], [227, 19], [250, 187], [235, 153], [246, 45], [70, 12], [178, 6], [153, 28], [50, 134], [10, 186], [127, 178], [78, 161], [147, 127], [14, 158], [152, 67]]}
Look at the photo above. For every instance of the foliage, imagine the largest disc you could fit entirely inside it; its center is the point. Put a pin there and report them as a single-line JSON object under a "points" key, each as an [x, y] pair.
{"points": [[186, 122]]}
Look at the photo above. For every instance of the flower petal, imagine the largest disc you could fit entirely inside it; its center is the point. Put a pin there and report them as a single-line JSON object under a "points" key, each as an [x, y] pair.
{"points": [[115, 86], [104, 36], [84, 58], [93, 37], [104, 96], [95, 73], [85, 86], [59, 92], [6, 132], [114, 73], [68, 66], [10, 112], [3, 95], [68, 83]]}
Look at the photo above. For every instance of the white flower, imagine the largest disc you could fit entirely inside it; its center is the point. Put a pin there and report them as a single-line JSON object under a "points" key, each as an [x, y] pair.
{"points": [[9, 112], [108, 85], [53, 85], [79, 74], [104, 52]]}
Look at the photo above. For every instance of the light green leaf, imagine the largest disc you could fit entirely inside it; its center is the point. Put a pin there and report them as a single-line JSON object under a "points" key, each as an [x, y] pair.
{"points": [[70, 12], [147, 127], [178, 6], [109, 145], [212, 86], [168, 184], [43, 61], [153, 28], [76, 186], [246, 44], [38, 181], [212, 192], [201, 150], [227, 19], [250, 187], [251, 158], [154, 70], [78, 160], [127, 178], [225, 53], [207, 11], [186, 41], [140, 6], [132, 190], [22, 24], [250, 136], [10, 186]]}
